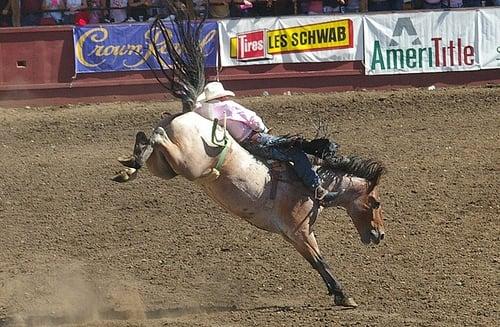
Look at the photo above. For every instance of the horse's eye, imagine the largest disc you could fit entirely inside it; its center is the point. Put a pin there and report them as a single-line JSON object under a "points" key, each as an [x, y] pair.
{"points": [[376, 205]]}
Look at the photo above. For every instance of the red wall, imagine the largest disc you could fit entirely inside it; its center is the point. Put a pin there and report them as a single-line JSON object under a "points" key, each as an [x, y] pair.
{"points": [[37, 68], [47, 52]]}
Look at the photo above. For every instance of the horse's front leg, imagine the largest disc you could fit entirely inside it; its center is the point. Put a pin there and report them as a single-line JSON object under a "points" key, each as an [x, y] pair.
{"points": [[307, 246]]}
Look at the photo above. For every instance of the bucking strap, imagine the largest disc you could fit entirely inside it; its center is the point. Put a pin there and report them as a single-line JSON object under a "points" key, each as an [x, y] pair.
{"points": [[223, 143]]}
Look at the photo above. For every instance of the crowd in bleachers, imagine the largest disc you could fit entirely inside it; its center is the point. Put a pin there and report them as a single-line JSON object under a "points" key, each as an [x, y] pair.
{"points": [[83, 12]]}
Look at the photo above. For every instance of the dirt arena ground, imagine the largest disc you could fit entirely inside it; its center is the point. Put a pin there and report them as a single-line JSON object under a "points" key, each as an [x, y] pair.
{"points": [[77, 249]]}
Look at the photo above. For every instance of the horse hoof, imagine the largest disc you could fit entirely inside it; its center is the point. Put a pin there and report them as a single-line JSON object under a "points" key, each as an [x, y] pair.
{"points": [[127, 161], [344, 301], [125, 175]]}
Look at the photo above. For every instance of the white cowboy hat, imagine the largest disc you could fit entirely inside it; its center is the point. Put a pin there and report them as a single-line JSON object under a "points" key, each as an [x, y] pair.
{"points": [[214, 90]]}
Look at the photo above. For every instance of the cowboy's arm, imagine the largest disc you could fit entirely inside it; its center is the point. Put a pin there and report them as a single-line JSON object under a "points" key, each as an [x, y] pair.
{"points": [[249, 117], [258, 125]]}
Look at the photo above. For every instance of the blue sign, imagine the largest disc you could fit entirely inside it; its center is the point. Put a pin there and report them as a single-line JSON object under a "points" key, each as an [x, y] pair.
{"points": [[113, 48]]}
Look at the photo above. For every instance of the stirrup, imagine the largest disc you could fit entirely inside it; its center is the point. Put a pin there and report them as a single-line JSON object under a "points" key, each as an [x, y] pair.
{"points": [[317, 195], [329, 198]]}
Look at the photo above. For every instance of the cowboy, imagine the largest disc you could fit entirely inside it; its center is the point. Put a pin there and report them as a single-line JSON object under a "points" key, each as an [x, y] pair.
{"points": [[248, 129]]}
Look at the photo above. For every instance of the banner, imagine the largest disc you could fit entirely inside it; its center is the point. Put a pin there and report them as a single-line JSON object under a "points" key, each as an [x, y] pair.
{"points": [[275, 40], [113, 48], [423, 42], [489, 39]]}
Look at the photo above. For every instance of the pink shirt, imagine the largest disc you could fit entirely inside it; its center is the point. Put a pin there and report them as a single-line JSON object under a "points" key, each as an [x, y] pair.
{"points": [[240, 121]]}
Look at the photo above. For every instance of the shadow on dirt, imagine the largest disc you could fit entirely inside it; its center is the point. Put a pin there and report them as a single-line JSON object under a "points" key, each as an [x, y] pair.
{"points": [[109, 315], [29, 321]]}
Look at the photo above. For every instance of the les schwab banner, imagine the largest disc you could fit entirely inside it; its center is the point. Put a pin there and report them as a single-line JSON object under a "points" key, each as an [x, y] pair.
{"points": [[427, 42], [274, 40]]}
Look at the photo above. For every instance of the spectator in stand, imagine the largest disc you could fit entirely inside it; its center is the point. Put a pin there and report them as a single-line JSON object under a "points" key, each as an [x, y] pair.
{"points": [[76, 13], [200, 7], [284, 7], [396, 4], [314, 7], [472, 3], [354, 6], [97, 8], [53, 10], [181, 7], [246, 9], [300, 7], [11, 10], [31, 12], [431, 4], [4, 13], [343, 7], [137, 10], [452, 3], [119, 12], [156, 8], [331, 6], [385, 5], [218, 9], [243, 9], [263, 8]]}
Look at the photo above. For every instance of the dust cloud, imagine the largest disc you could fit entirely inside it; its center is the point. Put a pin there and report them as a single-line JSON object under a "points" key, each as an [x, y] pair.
{"points": [[68, 294]]}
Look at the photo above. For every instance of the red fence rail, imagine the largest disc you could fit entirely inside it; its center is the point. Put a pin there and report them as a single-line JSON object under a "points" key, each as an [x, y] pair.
{"points": [[37, 68]]}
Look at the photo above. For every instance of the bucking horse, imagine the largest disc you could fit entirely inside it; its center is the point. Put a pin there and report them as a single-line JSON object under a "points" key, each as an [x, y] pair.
{"points": [[267, 195]]}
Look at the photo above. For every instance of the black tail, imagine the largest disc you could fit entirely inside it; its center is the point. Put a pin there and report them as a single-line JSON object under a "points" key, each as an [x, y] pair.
{"points": [[185, 74]]}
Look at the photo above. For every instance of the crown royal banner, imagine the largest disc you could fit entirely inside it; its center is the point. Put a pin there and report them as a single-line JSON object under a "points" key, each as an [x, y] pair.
{"points": [[127, 47]]}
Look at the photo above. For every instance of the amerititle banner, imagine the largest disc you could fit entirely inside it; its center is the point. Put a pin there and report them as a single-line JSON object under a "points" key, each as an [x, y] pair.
{"points": [[275, 40], [489, 38], [127, 47], [428, 42]]}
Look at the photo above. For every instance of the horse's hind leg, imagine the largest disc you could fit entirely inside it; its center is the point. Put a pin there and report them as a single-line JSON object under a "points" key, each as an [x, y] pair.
{"points": [[307, 246], [142, 151]]}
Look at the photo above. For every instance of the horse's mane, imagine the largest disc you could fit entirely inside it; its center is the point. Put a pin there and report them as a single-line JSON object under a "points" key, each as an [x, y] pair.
{"points": [[368, 169]]}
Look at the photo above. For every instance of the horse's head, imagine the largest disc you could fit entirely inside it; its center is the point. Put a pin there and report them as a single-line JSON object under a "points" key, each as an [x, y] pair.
{"points": [[359, 178], [366, 213]]}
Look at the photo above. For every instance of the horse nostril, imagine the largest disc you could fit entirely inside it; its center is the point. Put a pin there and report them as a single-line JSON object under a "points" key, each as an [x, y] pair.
{"points": [[382, 236]]}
